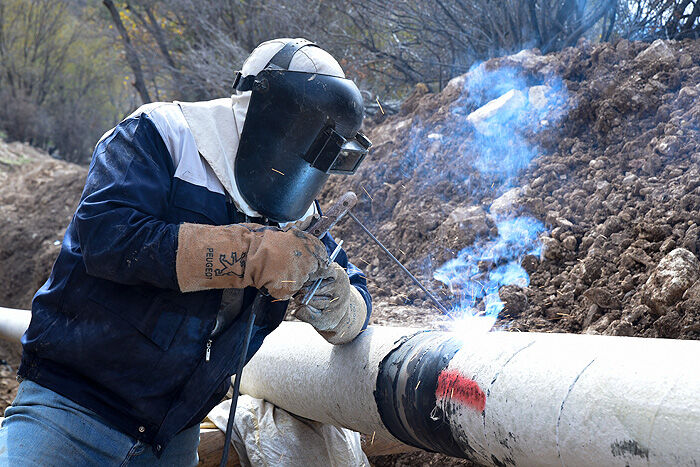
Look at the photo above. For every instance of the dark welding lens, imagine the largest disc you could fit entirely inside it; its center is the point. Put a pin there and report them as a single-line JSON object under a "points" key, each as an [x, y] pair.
{"points": [[324, 151], [331, 153], [349, 158], [351, 155]]}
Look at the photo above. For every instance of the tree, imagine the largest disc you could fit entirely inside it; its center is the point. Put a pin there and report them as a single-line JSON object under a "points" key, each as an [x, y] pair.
{"points": [[57, 81]]}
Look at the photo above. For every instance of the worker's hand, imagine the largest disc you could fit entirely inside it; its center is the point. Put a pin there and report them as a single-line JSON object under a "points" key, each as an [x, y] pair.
{"points": [[337, 309], [244, 255]]}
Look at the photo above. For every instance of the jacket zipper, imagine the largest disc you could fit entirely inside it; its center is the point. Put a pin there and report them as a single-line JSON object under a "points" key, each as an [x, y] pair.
{"points": [[207, 354]]}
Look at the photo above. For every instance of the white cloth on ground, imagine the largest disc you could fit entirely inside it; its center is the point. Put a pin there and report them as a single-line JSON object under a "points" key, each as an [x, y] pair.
{"points": [[264, 434]]}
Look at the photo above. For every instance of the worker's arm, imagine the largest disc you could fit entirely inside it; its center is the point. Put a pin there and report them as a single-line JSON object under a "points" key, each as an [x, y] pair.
{"points": [[120, 219], [124, 237]]}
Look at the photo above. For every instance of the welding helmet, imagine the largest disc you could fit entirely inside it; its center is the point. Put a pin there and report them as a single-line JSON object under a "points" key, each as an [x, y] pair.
{"points": [[300, 126]]}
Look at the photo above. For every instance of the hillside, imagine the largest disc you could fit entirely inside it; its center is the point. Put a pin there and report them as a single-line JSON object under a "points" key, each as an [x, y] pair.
{"points": [[560, 191]]}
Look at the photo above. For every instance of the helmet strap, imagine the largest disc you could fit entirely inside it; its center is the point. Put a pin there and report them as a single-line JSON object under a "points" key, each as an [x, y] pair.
{"points": [[279, 61]]}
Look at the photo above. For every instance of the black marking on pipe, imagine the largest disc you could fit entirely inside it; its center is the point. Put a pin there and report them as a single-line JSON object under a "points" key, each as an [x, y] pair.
{"points": [[628, 447], [405, 392]]}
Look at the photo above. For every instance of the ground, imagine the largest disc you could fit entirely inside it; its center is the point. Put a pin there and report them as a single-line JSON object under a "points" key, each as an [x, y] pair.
{"points": [[601, 152]]}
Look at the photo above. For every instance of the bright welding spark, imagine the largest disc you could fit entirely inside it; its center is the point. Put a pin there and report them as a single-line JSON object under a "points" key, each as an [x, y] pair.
{"points": [[368, 195], [380, 105], [275, 170]]}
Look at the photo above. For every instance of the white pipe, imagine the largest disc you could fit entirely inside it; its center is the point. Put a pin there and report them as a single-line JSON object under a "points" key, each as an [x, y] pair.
{"points": [[504, 398], [496, 398], [296, 369], [13, 323]]}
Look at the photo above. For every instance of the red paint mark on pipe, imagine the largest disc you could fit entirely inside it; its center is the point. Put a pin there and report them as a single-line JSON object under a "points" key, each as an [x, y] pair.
{"points": [[452, 385]]}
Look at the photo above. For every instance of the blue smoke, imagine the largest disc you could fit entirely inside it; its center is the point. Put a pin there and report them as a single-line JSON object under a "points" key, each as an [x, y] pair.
{"points": [[472, 283], [499, 112]]}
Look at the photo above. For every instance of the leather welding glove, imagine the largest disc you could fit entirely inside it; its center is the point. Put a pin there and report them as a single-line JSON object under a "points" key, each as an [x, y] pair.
{"points": [[244, 255], [337, 309]]}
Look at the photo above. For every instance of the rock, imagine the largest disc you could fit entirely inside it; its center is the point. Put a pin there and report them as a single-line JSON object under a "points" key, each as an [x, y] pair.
{"points": [[591, 268], [569, 243], [675, 273], [633, 255], [473, 218], [657, 51], [691, 238], [596, 164], [638, 312], [592, 315], [668, 145], [668, 245], [488, 118], [537, 96], [668, 326], [685, 61], [619, 328], [629, 180], [627, 284], [529, 263], [612, 225], [693, 292], [689, 93], [564, 223], [602, 297], [514, 299], [504, 204], [551, 249]]}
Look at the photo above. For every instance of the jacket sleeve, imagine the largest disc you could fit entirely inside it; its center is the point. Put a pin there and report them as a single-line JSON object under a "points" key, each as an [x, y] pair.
{"points": [[123, 236], [357, 278]]}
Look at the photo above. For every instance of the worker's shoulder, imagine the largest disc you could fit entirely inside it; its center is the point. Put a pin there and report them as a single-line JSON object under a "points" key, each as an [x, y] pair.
{"points": [[166, 116]]}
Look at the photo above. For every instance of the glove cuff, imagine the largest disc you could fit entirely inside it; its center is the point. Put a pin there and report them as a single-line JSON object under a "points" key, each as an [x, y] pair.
{"points": [[350, 325]]}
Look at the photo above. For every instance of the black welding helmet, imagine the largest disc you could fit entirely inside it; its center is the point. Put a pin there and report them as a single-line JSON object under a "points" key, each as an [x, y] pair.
{"points": [[299, 128]]}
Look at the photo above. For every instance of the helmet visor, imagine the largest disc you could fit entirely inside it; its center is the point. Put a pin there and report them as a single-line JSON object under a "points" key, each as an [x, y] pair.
{"points": [[332, 153]]}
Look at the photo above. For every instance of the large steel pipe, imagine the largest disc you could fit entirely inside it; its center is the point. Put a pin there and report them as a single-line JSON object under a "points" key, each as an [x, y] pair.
{"points": [[500, 398]]}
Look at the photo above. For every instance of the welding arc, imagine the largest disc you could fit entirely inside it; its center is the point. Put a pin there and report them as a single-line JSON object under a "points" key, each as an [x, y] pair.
{"points": [[403, 268]]}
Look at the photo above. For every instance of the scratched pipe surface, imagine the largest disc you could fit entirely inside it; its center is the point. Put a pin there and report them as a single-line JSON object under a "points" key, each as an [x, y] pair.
{"points": [[497, 398]]}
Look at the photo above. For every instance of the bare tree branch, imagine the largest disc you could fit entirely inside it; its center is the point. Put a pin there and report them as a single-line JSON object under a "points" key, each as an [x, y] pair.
{"points": [[132, 57]]}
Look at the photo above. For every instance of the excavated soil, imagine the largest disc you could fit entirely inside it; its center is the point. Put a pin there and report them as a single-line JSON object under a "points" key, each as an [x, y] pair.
{"points": [[38, 195], [614, 180]]}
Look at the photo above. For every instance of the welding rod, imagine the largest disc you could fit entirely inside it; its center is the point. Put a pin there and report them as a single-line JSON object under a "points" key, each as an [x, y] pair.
{"points": [[314, 288], [418, 283]]}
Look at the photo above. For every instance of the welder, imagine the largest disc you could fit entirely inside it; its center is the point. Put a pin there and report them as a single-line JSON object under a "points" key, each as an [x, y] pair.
{"points": [[188, 212]]}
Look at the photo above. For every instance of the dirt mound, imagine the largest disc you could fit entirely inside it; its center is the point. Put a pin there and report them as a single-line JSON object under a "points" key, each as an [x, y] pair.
{"points": [[38, 195], [613, 178]]}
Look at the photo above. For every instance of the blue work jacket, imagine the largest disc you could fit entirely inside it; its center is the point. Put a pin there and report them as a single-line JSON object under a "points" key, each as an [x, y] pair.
{"points": [[110, 328]]}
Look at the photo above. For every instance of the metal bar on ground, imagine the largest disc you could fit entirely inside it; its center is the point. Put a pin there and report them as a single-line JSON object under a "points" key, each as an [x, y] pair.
{"points": [[432, 297]]}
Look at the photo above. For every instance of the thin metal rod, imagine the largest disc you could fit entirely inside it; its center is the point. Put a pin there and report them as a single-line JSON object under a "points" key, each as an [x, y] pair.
{"points": [[418, 283], [314, 288], [237, 382]]}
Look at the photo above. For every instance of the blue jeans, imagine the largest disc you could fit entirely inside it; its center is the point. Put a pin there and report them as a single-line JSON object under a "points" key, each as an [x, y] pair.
{"points": [[43, 428]]}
